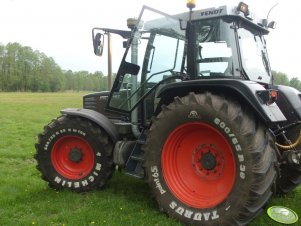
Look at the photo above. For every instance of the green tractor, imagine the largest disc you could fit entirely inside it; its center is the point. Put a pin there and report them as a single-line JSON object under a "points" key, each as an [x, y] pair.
{"points": [[193, 110]]}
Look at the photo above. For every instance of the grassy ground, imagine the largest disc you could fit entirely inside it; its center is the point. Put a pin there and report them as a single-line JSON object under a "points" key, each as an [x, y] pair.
{"points": [[25, 199]]}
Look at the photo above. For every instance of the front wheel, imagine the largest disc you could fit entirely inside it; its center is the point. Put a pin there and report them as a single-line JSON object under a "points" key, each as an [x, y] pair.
{"points": [[208, 161], [74, 153]]}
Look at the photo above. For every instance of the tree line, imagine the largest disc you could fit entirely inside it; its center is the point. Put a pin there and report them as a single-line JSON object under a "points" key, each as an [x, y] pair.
{"points": [[23, 69], [281, 78]]}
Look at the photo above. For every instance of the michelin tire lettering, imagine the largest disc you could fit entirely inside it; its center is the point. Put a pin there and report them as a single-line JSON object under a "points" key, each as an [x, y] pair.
{"points": [[82, 183]]}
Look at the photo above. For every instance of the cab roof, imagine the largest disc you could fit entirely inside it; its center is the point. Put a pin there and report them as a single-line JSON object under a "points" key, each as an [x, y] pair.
{"points": [[224, 11]]}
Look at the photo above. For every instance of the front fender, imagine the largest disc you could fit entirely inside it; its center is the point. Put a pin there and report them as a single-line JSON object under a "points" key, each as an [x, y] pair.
{"points": [[95, 117]]}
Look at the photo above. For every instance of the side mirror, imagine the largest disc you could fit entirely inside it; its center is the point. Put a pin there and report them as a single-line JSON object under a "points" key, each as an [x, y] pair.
{"points": [[272, 25], [98, 42]]}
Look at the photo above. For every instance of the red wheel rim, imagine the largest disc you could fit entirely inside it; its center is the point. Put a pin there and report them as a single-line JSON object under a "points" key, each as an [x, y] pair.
{"points": [[72, 157], [198, 165]]}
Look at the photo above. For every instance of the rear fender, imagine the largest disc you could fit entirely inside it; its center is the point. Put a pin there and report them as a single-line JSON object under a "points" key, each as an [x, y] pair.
{"points": [[95, 117], [289, 102], [243, 91]]}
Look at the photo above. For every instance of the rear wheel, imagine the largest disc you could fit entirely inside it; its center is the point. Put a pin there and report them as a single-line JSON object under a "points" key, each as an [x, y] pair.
{"points": [[74, 153], [208, 160]]}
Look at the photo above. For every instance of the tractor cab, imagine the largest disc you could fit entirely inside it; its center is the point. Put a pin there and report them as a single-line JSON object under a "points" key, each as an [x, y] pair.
{"points": [[224, 42]]}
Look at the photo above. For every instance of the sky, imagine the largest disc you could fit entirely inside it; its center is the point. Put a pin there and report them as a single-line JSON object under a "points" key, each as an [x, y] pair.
{"points": [[62, 28]]}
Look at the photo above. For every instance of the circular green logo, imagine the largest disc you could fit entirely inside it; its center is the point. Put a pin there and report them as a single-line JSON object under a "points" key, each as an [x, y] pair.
{"points": [[282, 215]]}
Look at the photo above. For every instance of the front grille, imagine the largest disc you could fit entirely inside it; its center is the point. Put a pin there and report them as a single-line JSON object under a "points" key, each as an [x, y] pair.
{"points": [[97, 102], [90, 103]]}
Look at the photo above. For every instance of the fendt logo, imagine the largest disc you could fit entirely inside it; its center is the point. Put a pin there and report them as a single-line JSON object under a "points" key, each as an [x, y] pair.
{"points": [[211, 12]]}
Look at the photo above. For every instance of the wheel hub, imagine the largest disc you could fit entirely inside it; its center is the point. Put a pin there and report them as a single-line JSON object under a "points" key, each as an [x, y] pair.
{"points": [[208, 161], [75, 155]]}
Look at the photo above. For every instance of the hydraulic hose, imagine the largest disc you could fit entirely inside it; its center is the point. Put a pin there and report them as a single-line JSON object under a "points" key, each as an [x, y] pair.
{"points": [[291, 146]]}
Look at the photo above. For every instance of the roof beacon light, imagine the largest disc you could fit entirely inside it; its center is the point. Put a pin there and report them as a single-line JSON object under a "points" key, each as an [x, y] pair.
{"points": [[244, 8], [190, 4]]}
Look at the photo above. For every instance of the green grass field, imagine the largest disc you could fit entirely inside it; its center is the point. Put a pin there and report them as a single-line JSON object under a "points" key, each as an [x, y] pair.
{"points": [[25, 199]]}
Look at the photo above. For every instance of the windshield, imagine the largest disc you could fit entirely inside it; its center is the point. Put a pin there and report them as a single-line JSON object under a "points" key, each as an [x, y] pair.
{"points": [[217, 53], [158, 49], [254, 56]]}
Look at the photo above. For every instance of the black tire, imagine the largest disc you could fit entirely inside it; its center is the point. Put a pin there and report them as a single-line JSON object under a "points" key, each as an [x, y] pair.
{"points": [[75, 154], [289, 179], [171, 139]]}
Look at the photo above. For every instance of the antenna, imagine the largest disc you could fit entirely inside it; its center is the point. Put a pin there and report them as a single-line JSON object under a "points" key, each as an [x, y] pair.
{"points": [[271, 10]]}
